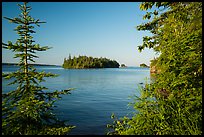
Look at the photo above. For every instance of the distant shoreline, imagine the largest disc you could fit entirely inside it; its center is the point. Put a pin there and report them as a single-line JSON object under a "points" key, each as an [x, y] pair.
{"points": [[30, 64], [61, 66]]}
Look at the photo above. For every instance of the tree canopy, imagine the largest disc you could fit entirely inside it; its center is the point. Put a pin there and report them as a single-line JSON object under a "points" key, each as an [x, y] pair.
{"points": [[84, 62]]}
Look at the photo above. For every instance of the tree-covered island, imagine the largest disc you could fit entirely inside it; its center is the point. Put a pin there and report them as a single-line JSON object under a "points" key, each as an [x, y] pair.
{"points": [[144, 65], [123, 66], [84, 62]]}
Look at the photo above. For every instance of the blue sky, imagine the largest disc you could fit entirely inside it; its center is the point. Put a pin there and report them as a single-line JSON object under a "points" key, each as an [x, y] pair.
{"points": [[98, 29]]}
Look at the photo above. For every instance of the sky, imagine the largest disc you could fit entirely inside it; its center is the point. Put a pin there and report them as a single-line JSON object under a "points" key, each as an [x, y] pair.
{"points": [[97, 29]]}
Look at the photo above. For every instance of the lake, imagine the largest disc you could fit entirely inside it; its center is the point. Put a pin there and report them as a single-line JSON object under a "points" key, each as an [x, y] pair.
{"points": [[98, 93]]}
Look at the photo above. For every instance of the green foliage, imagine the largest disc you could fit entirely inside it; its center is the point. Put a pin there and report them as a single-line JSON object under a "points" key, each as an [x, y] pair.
{"points": [[156, 115], [82, 62], [153, 62], [172, 103], [27, 110]]}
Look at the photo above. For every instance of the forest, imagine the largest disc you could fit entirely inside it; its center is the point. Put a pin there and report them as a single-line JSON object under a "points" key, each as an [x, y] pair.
{"points": [[84, 62]]}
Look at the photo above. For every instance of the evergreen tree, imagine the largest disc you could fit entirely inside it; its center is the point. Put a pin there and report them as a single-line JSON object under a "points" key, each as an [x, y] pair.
{"points": [[28, 110], [172, 104]]}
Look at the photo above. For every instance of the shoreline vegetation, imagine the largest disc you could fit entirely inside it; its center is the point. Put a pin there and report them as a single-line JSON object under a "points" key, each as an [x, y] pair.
{"points": [[85, 62], [15, 64], [172, 103]]}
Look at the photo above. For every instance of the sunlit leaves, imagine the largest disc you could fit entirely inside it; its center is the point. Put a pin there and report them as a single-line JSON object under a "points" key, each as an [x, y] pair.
{"points": [[177, 88], [146, 5]]}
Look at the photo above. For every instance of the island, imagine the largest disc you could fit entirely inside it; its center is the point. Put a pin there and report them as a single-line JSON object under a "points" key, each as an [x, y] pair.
{"points": [[85, 62], [123, 66], [144, 65]]}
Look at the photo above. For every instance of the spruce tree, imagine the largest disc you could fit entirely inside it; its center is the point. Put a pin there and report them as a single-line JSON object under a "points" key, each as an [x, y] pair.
{"points": [[28, 109]]}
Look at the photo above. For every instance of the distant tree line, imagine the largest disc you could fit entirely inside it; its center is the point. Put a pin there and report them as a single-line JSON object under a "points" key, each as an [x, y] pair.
{"points": [[82, 62], [16, 64]]}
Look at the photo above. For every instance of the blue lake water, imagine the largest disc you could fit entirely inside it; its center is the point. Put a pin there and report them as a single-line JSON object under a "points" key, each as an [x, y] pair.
{"points": [[98, 93]]}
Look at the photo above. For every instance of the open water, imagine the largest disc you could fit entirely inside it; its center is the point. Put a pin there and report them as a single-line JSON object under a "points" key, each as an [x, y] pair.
{"points": [[98, 93]]}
